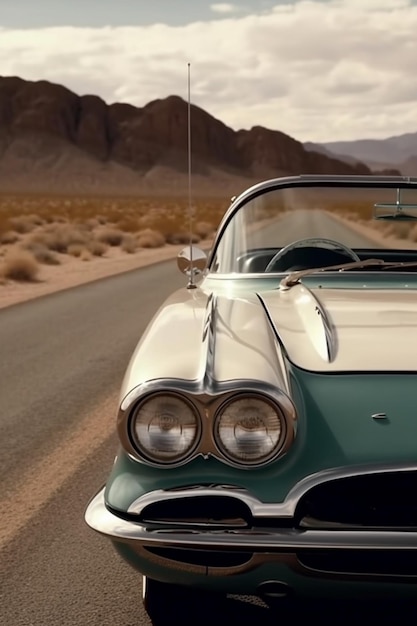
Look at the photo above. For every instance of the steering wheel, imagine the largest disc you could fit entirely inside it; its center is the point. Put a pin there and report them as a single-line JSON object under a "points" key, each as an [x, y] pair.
{"points": [[318, 242]]}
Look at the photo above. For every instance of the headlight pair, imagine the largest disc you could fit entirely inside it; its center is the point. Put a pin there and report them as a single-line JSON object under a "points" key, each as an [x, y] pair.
{"points": [[246, 429]]}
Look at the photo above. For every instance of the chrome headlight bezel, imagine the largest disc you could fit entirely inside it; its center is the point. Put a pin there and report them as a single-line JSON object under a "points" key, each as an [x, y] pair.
{"points": [[276, 447], [206, 406], [145, 452]]}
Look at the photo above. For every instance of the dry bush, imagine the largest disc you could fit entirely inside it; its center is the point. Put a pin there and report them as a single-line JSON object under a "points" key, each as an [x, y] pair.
{"points": [[76, 249], [182, 238], [111, 236], [4, 223], [85, 255], [203, 229], [412, 235], [56, 219], [149, 238], [387, 230], [349, 215], [128, 224], [401, 230], [378, 225], [9, 237], [129, 244], [20, 265], [84, 227], [22, 223], [89, 218], [92, 223], [97, 248], [41, 253], [59, 237]]}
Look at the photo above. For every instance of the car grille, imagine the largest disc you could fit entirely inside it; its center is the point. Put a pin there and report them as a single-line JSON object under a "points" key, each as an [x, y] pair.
{"points": [[204, 558], [212, 511], [360, 563], [386, 500]]}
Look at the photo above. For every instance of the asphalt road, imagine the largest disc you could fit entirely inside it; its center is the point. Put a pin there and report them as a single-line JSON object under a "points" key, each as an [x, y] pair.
{"points": [[312, 223], [63, 357]]}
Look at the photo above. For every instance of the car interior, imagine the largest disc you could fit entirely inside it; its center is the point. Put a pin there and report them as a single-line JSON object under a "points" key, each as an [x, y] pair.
{"points": [[257, 260]]}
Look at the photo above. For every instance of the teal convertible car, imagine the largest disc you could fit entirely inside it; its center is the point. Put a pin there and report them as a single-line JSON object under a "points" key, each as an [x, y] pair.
{"points": [[268, 416]]}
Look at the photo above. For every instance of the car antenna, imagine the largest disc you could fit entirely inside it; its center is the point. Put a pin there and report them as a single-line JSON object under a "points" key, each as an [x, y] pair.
{"points": [[191, 283]]}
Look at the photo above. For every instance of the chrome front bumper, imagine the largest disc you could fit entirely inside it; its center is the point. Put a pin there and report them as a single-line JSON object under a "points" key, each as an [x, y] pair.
{"points": [[254, 540]]}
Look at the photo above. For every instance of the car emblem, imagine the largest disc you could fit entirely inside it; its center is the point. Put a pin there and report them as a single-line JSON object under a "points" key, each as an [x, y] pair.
{"points": [[379, 416]]}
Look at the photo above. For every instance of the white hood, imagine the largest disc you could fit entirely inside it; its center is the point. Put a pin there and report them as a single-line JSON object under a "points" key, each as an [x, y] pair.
{"points": [[329, 330]]}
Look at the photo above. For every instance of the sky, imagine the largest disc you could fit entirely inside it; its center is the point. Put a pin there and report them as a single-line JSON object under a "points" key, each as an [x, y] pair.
{"points": [[317, 70]]}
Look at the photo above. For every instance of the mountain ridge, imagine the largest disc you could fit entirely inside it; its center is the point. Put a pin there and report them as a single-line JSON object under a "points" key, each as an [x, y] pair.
{"points": [[396, 151], [52, 139]]}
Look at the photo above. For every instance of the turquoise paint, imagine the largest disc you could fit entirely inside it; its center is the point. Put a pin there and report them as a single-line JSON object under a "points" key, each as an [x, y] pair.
{"points": [[335, 429]]}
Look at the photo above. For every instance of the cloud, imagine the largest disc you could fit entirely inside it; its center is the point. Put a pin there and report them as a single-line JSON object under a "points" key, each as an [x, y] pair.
{"points": [[318, 71], [223, 7]]}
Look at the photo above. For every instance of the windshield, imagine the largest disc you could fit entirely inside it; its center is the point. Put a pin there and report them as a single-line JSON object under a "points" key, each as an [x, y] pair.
{"points": [[293, 228]]}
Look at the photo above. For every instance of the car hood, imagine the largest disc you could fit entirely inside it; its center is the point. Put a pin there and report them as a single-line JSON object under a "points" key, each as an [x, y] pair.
{"points": [[198, 335], [345, 330]]}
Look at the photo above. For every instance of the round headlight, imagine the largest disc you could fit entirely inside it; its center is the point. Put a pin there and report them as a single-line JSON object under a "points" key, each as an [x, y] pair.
{"points": [[165, 428], [249, 430]]}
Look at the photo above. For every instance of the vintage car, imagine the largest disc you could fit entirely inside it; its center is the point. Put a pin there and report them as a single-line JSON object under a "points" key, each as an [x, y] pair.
{"points": [[268, 416]]}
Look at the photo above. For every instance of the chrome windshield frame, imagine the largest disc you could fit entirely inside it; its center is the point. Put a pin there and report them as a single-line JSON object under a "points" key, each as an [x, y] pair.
{"points": [[307, 181]]}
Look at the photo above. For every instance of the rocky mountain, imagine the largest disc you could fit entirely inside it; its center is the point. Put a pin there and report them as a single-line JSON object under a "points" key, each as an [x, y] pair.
{"points": [[54, 140], [398, 151]]}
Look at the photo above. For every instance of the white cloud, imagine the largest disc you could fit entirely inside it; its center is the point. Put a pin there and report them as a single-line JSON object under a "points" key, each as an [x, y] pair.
{"points": [[316, 70], [223, 7]]}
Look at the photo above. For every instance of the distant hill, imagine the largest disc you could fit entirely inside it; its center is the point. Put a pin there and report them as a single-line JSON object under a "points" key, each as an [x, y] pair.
{"points": [[398, 152], [54, 140]]}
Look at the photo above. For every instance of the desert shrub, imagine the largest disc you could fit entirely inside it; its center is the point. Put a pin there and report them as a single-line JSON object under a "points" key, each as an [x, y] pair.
{"points": [[401, 230], [412, 234], [182, 238], [20, 265], [387, 230], [111, 236], [97, 248], [203, 229], [149, 238], [22, 223], [41, 253], [128, 224], [91, 223], [76, 249], [56, 219], [9, 237], [129, 244], [61, 236], [85, 255]]}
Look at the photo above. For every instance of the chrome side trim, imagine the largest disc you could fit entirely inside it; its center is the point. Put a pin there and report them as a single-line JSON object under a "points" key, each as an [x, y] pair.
{"points": [[209, 336], [285, 509], [329, 329]]}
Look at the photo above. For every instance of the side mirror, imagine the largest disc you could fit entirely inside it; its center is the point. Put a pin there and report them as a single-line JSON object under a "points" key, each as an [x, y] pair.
{"points": [[192, 262]]}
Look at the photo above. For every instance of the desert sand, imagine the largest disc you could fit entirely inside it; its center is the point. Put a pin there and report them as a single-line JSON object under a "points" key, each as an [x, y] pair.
{"points": [[73, 271]]}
